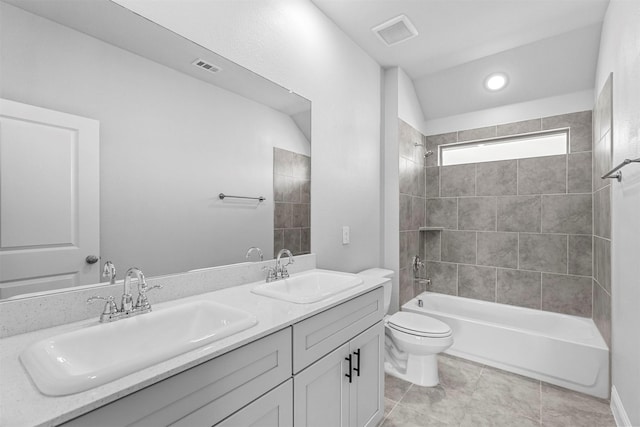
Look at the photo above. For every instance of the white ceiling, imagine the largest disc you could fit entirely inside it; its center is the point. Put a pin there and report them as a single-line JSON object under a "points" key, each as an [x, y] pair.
{"points": [[547, 47]]}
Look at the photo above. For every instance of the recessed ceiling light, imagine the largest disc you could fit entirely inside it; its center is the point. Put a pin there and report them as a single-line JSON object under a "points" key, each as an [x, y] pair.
{"points": [[496, 81]]}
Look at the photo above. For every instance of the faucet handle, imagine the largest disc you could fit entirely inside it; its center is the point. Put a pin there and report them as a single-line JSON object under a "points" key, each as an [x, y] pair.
{"points": [[272, 273], [110, 309], [143, 302]]}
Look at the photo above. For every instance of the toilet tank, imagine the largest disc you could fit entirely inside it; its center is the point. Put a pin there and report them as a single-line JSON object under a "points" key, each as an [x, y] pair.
{"points": [[382, 273]]}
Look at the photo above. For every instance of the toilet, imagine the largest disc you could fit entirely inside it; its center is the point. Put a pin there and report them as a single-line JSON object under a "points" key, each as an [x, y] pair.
{"points": [[412, 341]]}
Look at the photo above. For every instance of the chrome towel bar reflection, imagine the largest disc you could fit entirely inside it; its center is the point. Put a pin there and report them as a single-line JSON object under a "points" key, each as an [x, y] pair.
{"points": [[259, 199], [618, 175]]}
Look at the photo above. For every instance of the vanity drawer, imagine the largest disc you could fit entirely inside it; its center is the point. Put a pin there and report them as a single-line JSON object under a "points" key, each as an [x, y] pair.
{"points": [[216, 388], [322, 333]]}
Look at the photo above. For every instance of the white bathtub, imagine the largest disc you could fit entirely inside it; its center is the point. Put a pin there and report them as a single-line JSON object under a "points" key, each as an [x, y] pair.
{"points": [[556, 348]]}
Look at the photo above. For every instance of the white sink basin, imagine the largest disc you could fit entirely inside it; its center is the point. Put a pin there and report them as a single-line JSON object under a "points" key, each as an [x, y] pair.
{"points": [[77, 361], [308, 287]]}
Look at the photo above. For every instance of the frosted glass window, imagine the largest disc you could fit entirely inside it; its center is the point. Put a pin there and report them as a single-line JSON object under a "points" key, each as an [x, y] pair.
{"points": [[519, 147]]}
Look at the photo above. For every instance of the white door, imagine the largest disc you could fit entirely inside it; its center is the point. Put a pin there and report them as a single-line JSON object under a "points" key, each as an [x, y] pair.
{"points": [[367, 389], [49, 199], [321, 392]]}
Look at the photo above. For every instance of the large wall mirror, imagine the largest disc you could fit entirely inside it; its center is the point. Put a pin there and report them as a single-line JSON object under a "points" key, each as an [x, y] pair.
{"points": [[173, 135]]}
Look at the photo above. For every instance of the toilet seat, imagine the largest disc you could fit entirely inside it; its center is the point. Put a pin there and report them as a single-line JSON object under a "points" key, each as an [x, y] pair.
{"points": [[418, 325]]}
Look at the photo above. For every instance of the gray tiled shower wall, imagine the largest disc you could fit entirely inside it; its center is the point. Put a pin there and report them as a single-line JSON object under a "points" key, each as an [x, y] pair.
{"points": [[602, 149], [292, 207], [515, 231]]}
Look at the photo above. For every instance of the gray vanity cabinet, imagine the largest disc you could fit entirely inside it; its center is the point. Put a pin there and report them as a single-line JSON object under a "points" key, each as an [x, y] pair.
{"points": [[205, 394], [338, 365]]}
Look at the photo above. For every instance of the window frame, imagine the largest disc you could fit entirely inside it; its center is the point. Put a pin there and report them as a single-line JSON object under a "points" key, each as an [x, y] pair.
{"points": [[508, 138]]}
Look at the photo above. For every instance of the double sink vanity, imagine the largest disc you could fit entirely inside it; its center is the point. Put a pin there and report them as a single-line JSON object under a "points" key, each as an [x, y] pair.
{"points": [[302, 350]]}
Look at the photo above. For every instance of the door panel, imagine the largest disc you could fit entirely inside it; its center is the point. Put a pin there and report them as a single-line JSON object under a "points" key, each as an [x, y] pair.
{"points": [[49, 199], [367, 402], [321, 392]]}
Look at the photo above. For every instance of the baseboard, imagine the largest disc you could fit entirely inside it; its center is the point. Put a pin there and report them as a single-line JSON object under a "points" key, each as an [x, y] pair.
{"points": [[619, 414]]}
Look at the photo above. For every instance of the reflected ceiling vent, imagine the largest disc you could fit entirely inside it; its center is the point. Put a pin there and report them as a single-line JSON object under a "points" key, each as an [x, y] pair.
{"points": [[201, 63], [395, 30]]}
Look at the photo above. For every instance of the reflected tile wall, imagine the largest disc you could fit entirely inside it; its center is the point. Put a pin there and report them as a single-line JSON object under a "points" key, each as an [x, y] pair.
{"points": [[517, 232], [292, 201]]}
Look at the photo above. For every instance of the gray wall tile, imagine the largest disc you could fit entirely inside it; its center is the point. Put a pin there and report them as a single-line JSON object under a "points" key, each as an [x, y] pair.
{"points": [[602, 312], [579, 173], [525, 126], [283, 162], [405, 212], [543, 252], [542, 175], [407, 137], [444, 277], [432, 182], [580, 255], [283, 217], [602, 212], [477, 282], [477, 133], [292, 239], [459, 180], [301, 166], [408, 247], [432, 143], [497, 178], [567, 294], [518, 287], [567, 213], [305, 240], [278, 240], [477, 213], [418, 179], [498, 249], [580, 125], [301, 215], [406, 286], [459, 246], [432, 241], [442, 213], [519, 213], [417, 213], [305, 191], [405, 178], [602, 161], [602, 262]]}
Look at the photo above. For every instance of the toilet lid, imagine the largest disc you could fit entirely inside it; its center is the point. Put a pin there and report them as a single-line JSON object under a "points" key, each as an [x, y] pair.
{"points": [[418, 324]]}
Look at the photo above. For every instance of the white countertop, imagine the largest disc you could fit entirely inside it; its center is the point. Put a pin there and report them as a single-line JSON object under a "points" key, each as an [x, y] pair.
{"points": [[21, 404]]}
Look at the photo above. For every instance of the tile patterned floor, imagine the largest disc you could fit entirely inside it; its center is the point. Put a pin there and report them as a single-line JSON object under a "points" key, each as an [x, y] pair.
{"points": [[474, 395]]}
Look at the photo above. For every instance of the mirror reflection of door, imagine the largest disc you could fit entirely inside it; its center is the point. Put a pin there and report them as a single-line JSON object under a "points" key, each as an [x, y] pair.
{"points": [[49, 199]]}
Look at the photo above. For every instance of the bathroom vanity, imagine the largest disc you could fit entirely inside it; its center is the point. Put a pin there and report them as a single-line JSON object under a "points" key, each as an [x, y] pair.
{"points": [[302, 364]]}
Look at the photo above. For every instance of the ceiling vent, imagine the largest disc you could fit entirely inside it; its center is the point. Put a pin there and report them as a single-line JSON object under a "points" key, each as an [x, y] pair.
{"points": [[395, 30], [207, 66]]}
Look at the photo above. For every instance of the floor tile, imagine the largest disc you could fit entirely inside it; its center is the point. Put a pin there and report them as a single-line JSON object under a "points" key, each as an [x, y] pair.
{"points": [[480, 414], [513, 393], [388, 406], [458, 374], [438, 402], [560, 407], [395, 388], [404, 416]]}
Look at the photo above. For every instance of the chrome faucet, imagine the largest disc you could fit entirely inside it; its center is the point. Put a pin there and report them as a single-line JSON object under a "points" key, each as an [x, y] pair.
{"points": [[282, 269], [255, 249], [109, 271], [279, 271], [111, 311]]}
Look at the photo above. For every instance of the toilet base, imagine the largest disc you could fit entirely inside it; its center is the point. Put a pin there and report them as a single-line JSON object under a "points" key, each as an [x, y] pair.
{"points": [[421, 370]]}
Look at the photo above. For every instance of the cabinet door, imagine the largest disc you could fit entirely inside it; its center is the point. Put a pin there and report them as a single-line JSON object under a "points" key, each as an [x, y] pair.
{"points": [[366, 394], [274, 409], [321, 392]]}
